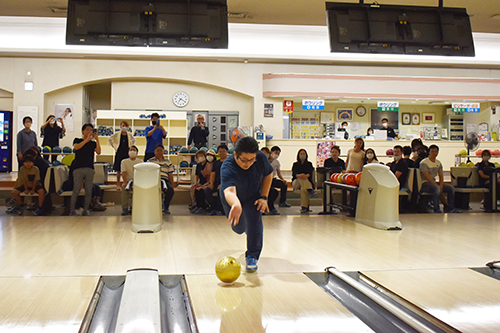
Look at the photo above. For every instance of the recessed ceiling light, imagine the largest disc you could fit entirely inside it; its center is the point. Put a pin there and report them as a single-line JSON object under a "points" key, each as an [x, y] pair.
{"points": [[237, 15], [58, 10]]}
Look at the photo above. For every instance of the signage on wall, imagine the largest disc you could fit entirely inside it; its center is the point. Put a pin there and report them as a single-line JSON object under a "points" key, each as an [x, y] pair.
{"points": [[268, 110], [388, 106], [465, 107], [313, 104], [288, 106]]}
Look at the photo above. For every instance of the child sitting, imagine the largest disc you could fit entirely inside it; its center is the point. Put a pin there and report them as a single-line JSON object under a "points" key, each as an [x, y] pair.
{"points": [[28, 181]]}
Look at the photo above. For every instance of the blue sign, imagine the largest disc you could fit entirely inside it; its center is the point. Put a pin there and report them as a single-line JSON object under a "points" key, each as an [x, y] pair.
{"points": [[313, 104]]}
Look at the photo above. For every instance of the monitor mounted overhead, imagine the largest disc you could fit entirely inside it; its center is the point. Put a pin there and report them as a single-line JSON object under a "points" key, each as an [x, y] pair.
{"points": [[166, 23], [366, 28]]}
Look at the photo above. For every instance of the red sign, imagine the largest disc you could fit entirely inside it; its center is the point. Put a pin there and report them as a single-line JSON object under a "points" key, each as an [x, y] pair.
{"points": [[288, 106]]}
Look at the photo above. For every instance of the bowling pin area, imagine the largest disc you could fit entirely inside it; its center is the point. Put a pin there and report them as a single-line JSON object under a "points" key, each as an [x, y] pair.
{"points": [[317, 273]]}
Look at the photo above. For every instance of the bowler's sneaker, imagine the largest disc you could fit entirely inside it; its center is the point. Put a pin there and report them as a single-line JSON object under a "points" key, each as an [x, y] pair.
{"points": [[251, 264]]}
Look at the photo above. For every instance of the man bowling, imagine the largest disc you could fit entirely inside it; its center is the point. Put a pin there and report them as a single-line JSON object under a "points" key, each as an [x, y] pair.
{"points": [[246, 178]]}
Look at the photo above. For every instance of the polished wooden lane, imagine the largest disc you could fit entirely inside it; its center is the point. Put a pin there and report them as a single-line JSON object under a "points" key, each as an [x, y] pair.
{"points": [[48, 305], [464, 299], [62, 247], [267, 303]]}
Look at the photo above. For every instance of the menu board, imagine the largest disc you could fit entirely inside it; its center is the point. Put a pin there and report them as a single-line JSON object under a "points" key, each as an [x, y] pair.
{"points": [[305, 128]]}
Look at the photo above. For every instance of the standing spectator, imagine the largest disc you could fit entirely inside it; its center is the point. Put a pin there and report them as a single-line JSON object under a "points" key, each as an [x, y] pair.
{"points": [[51, 132], [335, 161], [273, 193], [28, 182], [26, 138], [212, 193], [356, 156], [370, 156], [121, 141], [278, 179], [399, 167], [302, 172], [485, 170], [430, 168], [245, 182], [154, 136], [406, 156], [199, 133], [83, 166], [166, 175], [390, 130]]}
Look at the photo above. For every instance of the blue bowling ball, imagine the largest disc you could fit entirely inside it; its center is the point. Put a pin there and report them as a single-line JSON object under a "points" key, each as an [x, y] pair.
{"points": [[57, 149], [56, 163], [231, 150], [184, 150], [193, 150], [46, 149], [66, 150], [184, 164], [204, 149]]}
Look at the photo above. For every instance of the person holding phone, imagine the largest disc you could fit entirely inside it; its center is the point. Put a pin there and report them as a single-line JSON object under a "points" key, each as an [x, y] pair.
{"points": [[154, 136], [199, 133], [51, 132], [83, 166]]}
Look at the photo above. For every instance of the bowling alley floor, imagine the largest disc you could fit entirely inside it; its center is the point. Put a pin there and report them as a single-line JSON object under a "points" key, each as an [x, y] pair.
{"points": [[49, 266]]}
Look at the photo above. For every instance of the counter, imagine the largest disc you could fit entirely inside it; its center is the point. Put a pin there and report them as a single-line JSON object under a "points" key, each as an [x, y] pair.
{"points": [[447, 150]]}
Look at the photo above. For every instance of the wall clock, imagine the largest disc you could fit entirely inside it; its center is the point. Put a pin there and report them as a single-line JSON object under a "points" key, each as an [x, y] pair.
{"points": [[180, 99], [361, 110]]}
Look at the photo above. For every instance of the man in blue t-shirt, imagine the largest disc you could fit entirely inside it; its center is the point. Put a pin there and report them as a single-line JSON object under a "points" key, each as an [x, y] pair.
{"points": [[246, 178], [154, 136]]}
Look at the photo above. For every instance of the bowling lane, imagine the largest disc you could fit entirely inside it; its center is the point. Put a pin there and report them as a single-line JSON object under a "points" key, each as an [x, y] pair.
{"points": [[462, 298], [41, 304], [267, 303]]}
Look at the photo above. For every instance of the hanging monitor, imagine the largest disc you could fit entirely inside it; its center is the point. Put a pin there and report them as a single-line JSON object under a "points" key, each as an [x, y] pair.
{"points": [[368, 28], [167, 23]]}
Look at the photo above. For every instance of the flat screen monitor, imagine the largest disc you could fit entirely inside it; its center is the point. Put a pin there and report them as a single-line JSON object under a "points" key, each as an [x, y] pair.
{"points": [[368, 28], [167, 23]]}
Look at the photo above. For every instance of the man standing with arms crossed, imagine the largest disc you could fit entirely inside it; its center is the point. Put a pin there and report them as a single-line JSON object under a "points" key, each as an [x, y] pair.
{"points": [[246, 178], [198, 134]]}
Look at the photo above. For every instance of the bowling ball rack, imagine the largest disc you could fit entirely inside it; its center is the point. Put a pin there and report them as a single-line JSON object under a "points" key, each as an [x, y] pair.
{"points": [[328, 203]]}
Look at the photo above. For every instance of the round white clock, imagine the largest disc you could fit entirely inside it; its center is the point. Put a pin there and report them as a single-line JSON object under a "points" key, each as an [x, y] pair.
{"points": [[361, 110], [180, 99]]}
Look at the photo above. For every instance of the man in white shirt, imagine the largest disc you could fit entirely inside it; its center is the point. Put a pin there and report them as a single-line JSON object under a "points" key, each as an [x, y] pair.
{"points": [[430, 168], [278, 179], [127, 168]]}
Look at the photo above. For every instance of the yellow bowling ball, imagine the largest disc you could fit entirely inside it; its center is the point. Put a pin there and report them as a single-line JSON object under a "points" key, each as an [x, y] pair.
{"points": [[228, 269]]}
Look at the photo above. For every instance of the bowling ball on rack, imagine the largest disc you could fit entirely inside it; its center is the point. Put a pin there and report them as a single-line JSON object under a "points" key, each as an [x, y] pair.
{"points": [[66, 150], [214, 149], [193, 150], [228, 269], [389, 152], [479, 152], [205, 149], [358, 178], [333, 177], [184, 164], [46, 149], [184, 150], [339, 178], [350, 179], [231, 150], [57, 149]]}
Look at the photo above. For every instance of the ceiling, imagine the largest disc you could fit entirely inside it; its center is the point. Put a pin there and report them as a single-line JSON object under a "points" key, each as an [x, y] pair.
{"points": [[290, 12]]}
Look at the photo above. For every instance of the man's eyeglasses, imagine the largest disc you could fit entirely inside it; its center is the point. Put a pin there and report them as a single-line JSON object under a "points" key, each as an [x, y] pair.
{"points": [[245, 161]]}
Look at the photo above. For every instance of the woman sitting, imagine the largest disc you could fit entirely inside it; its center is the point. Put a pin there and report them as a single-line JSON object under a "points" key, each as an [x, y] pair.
{"points": [[302, 172]]}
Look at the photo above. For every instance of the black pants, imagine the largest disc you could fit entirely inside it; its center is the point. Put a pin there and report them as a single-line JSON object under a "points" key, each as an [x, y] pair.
{"points": [[168, 192], [278, 183], [199, 196], [488, 204], [213, 199], [273, 194]]}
